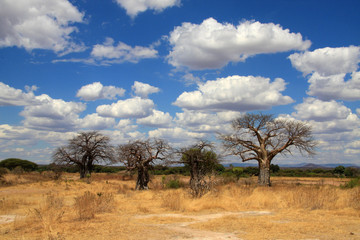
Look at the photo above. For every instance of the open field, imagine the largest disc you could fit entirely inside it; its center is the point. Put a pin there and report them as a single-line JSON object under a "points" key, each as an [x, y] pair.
{"points": [[109, 208]]}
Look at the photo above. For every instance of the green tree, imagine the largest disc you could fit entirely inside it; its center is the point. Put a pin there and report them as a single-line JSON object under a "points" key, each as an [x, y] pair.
{"points": [[12, 163], [274, 168], [201, 160], [339, 170]]}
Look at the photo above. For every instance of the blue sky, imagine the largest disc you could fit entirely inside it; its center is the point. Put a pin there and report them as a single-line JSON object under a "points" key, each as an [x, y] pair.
{"points": [[178, 70]]}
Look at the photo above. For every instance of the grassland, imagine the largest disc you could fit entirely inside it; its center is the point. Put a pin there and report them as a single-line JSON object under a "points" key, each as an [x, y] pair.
{"points": [[107, 207]]}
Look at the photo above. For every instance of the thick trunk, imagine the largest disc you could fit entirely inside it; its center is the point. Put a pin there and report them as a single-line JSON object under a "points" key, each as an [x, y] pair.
{"points": [[264, 175], [198, 184], [143, 179], [84, 171]]}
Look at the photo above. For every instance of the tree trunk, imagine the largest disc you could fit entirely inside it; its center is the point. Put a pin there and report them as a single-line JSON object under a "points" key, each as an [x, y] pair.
{"points": [[84, 171], [264, 175], [143, 179]]}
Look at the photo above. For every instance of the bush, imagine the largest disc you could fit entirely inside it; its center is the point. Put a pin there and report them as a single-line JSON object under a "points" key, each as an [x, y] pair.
{"points": [[3, 171], [90, 203], [173, 183], [12, 163], [339, 170], [351, 172], [352, 183], [18, 170]]}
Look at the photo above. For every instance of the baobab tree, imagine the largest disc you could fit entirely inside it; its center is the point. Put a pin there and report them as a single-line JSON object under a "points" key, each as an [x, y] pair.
{"points": [[84, 150], [140, 156], [201, 161], [261, 137]]}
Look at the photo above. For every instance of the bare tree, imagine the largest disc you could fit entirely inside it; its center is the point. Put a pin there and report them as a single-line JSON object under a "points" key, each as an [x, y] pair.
{"points": [[201, 161], [140, 156], [261, 137], [84, 150]]}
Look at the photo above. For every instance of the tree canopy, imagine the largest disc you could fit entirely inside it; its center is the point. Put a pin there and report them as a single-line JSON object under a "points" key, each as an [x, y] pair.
{"points": [[261, 137], [12, 163], [140, 155], [84, 150]]}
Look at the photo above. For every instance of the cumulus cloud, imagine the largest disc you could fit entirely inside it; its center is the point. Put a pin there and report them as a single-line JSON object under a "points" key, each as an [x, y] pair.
{"points": [[235, 93], [96, 91], [335, 86], [205, 122], [178, 136], [96, 122], [143, 89], [126, 125], [134, 7], [327, 61], [333, 72], [156, 119], [52, 114], [315, 109], [39, 24], [130, 108], [108, 53], [10, 96], [212, 45]]}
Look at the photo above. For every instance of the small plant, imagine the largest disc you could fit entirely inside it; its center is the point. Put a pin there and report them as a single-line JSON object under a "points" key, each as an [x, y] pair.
{"points": [[90, 203], [172, 183], [352, 183], [18, 170], [172, 200], [49, 215], [85, 206]]}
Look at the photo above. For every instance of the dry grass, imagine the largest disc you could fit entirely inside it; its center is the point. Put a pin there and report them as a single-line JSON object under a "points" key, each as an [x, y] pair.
{"points": [[109, 208], [90, 203]]}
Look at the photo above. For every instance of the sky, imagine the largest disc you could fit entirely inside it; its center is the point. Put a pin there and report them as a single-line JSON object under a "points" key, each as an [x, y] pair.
{"points": [[179, 70]]}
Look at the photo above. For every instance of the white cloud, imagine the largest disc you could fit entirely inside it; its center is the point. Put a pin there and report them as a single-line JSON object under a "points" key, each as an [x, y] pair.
{"points": [[96, 122], [327, 61], [336, 126], [108, 53], [334, 137], [315, 109], [52, 114], [10, 96], [143, 89], [176, 135], [130, 108], [191, 79], [206, 122], [96, 91], [134, 7], [358, 111], [39, 24], [235, 93], [156, 119], [335, 86], [330, 69], [212, 45], [126, 125]]}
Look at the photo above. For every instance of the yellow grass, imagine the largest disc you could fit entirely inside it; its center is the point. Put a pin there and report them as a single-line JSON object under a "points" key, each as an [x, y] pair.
{"points": [[47, 209]]}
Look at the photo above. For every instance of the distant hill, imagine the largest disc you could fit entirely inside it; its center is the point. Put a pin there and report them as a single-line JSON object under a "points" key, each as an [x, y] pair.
{"points": [[300, 165]]}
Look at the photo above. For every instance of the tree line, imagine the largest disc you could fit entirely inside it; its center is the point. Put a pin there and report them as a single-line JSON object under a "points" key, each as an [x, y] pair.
{"points": [[254, 137]]}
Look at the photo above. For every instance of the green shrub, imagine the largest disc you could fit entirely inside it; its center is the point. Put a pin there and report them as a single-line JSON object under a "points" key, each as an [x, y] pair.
{"points": [[12, 163], [173, 184], [352, 183]]}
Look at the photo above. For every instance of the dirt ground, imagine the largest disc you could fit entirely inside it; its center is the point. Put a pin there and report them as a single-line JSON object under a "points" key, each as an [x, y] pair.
{"points": [[288, 210]]}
